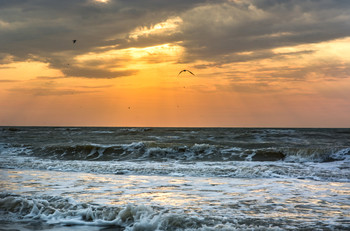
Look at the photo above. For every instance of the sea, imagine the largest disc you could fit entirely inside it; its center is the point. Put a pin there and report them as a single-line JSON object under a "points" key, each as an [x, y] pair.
{"points": [[125, 178]]}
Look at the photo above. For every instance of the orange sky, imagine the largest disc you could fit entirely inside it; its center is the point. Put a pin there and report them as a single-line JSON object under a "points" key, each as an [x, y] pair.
{"points": [[244, 77]]}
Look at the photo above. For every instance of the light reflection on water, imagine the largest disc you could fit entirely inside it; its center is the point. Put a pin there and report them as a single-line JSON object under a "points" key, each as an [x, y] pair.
{"points": [[264, 198]]}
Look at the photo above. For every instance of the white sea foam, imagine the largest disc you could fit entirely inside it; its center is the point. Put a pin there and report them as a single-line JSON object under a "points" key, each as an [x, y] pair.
{"points": [[334, 171], [343, 154], [102, 132], [174, 203]]}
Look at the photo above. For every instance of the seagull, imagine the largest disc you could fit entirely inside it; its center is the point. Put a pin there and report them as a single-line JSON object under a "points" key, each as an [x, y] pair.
{"points": [[74, 41], [185, 71]]}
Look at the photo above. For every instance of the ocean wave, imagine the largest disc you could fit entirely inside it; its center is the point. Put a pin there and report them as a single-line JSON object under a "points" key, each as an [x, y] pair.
{"points": [[67, 212], [335, 171], [64, 211], [57, 210], [153, 158], [153, 151]]}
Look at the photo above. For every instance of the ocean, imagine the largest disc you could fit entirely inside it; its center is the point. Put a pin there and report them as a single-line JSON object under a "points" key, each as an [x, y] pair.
{"points": [[107, 178]]}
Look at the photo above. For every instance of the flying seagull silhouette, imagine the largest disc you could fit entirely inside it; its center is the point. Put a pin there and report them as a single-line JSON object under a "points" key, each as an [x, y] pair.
{"points": [[74, 41], [185, 71]]}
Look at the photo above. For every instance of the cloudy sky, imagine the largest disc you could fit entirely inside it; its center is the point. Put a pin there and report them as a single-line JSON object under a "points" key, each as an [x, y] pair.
{"points": [[257, 63]]}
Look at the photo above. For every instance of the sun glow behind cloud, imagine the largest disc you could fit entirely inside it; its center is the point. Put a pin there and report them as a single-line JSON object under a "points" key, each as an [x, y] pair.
{"points": [[233, 90], [102, 1], [253, 61], [167, 27], [133, 58]]}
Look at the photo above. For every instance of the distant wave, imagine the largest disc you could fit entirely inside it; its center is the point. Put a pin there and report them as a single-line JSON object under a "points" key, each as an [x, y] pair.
{"points": [[194, 161], [140, 151], [319, 154]]}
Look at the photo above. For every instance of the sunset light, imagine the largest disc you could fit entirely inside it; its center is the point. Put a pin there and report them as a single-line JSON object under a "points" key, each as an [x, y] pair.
{"points": [[103, 1], [251, 64], [162, 115], [165, 27]]}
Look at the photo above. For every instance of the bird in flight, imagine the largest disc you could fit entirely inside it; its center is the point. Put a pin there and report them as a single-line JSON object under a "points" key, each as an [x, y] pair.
{"points": [[185, 71], [74, 41]]}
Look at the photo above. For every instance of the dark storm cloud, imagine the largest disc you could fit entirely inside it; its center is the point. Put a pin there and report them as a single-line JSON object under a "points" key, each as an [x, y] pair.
{"points": [[44, 29], [42, 26], [219, 29], [216, 31]]}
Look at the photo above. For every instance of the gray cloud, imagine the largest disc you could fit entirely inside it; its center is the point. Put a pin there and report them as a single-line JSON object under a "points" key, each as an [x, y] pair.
{"points": [[49, 77], [44, 29], [40, 26], [8, 81], [48, 92], [265, 80], [49, 89], [96, 87], [216, 31], [330, 71], [88, 72]]}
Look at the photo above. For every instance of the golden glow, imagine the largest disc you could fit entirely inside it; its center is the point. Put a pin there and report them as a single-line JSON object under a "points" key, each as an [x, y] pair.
{"points": [[302, 78], [167, 26], [331, 49], [4, 25], [159, 50], [26, 70], [134, 56]]}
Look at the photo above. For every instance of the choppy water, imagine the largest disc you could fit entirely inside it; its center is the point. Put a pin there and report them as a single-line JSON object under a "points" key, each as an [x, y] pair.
{"points": [[174, 179]]}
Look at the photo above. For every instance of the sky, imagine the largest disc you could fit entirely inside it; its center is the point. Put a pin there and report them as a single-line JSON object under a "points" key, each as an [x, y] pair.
{"points": [[257, 63]]}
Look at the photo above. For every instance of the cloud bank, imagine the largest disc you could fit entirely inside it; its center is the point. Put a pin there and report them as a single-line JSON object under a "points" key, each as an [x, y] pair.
{"points": [[219, 32]]}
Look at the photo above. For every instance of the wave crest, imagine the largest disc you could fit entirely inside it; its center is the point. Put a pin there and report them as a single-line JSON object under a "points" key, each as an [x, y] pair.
{"points": [[141, 151]]}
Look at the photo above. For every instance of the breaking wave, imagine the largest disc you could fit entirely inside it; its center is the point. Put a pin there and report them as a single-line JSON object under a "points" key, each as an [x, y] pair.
{"points": [[188, 166], [151, 151], [55, 210], [65, 211]]}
